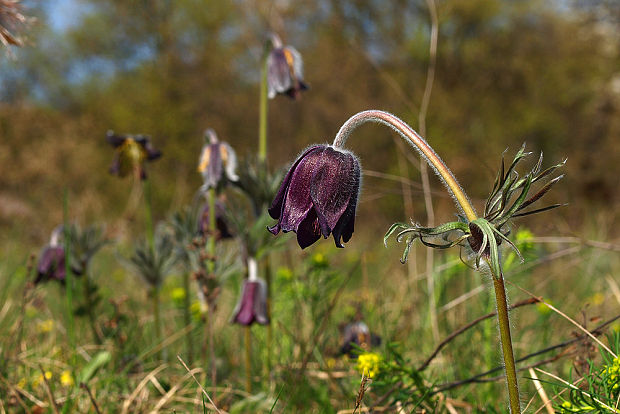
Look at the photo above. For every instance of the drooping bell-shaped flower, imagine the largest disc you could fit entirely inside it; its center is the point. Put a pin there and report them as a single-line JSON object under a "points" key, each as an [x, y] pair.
{"points": [[217, 161], [318, 196], [284, 70], [131, 153], [252, 306], [51, 264], [220, 221]]}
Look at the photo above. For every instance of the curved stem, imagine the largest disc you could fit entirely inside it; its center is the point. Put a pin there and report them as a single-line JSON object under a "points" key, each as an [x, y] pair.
{"points": [[418, 143], [446, 176]]}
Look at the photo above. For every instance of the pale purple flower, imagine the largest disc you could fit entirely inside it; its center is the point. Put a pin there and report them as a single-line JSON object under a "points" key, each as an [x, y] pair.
{"points": [[217, 161], [284, 70]]}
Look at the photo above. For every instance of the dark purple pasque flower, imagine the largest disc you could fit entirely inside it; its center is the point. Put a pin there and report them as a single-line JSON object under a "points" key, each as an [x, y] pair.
{"points": [[217, 160], [357, 335], [220, 221], [131, 152], [284, 70], [318, 196], [252, 307], [51, 265]]}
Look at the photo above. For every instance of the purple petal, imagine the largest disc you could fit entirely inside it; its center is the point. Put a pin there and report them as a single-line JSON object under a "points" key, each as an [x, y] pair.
{"points": [[308, 231], [275, 211], [333, 186], [115, 140]]}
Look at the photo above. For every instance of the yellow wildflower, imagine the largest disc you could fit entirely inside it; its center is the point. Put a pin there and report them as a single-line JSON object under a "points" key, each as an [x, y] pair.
{"points": [[597, 299], [178, 296], [66, 379], [368, 364], [45, 326]]}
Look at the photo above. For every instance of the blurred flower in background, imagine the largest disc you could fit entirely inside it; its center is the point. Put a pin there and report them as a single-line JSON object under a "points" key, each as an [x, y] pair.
{"points": [[357, 335], [318, 196], [252, 306], [218, 161], [11, 20], [223, 232], [131, 152], [51, 265], [284, 70]]}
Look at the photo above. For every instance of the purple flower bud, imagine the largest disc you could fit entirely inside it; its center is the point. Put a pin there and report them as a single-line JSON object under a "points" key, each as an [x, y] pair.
{"points": [[51, 265], [285, 72], [318, 196], [252, 307]]}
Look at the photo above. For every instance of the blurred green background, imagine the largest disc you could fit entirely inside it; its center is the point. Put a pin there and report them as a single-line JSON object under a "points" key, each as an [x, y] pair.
{"points": [[542, 72]]}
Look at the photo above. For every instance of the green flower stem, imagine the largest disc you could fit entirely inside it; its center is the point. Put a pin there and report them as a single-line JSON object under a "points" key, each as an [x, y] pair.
{"points": [[88, 300], [506, 340], [211, 270], [466, 208], [262, 119], [187, 319], [148, 214], [248, 359], [157, 316], [69, 278]]}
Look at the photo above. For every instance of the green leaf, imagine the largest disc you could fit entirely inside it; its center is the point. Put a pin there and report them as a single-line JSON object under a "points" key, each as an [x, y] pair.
{"points": [[93, 365]]}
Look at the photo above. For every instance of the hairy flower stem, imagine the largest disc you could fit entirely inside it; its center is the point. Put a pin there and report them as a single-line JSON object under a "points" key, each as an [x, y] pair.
{"points": [[262, 159], [211, 270], [463, 203], [506, 340]]}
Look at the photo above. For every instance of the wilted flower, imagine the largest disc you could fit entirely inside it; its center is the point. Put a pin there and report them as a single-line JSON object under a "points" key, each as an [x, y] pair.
{"points": [[284, 70], [318, 196], [131, 152], [216, 157], [51, 265], [252, 307], [10, 19], [220, 221]]}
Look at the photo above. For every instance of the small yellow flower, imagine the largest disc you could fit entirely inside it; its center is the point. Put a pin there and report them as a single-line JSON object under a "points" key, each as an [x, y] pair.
{"points": [[368, 364], [45, 326], [22, 383], [319, 260], [284, 273], [612, 374], [39, 380], [197, 310], [543, 309], [178, 296], [66, 379], [597, 299]]}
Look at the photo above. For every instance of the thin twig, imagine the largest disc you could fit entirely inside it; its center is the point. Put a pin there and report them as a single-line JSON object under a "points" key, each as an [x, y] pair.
{"points": [[199, 384], [605, 347], [464, 328], [83, 385], [48, 390], [541, 392], [613, 410]]}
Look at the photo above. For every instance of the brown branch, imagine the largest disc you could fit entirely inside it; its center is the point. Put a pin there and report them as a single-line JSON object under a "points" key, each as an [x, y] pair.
{"points": [[464, 328], [90, 395]]}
